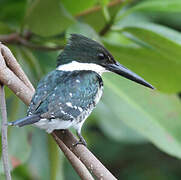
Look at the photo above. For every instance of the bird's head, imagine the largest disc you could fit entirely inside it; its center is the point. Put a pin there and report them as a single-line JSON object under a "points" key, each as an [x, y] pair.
{"points": [[82, 53]]}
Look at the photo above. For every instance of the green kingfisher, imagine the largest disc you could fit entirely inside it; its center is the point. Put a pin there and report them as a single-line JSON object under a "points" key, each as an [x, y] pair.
{"points": [[66, 96]]}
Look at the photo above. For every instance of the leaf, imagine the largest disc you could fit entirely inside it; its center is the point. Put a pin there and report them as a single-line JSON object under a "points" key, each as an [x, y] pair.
{"points": [[16, 149], [32, 62], [97, 20], [4, 28], [158, 60], [47, 60], [153, 5], [39, 159], [159, 5], [82, 28], [159, 37], [17, 51], [153, 67], [12, 12], [19, 147], [79, 6], [154, 115], [47, 18], [22, 172], [111, 124], [104, 2], [54, 160]]}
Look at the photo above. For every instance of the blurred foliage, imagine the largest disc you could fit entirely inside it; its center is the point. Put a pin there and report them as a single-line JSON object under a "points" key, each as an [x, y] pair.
{"points": [[144, 36]]}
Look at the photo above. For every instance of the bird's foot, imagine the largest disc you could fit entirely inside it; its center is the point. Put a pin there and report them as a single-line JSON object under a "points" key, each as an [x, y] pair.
{"points": [[81, 140]]}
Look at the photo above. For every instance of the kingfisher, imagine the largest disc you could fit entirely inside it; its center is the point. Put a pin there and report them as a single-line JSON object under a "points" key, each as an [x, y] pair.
{"points": [[66, 96]]}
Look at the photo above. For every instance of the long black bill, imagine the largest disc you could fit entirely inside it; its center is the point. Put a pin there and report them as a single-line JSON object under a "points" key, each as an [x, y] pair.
{"points": [[123, 71]]}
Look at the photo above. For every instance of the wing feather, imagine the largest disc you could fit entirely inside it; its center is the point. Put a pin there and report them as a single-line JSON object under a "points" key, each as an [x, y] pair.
{"points": [[65, 95]]}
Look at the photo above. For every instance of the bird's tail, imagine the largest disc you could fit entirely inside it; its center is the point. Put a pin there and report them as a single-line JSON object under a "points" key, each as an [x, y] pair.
{"points": [[25, 121]]}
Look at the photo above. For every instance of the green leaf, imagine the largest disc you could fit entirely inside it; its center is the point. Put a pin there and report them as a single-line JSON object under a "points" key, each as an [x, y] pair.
{"points": [[154, 115], [79, 6], [32, 61], [159, 58], [54, 160], [104, 2], [82, 28], [19, 147], [159, 5], [17, 51], [160, 37], [158, 70], [97, 20], [153, 5], [12, 12], [117, 38], [111, 124], [18, 144], [47, 18], [4, 28], [39, 159]]}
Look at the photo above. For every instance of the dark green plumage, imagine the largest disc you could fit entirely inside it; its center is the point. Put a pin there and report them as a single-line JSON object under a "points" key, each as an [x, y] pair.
{"points": [[84, 50]]}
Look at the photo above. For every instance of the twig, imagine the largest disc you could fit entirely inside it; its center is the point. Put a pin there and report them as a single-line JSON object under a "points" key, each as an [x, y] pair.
{"points": [[4, 135], [26, 43], [16, 38], [79, 167], [25, 93], [98, 8], [106, 28]]}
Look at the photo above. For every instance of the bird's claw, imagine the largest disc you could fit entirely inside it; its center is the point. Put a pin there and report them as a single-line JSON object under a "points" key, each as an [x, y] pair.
{"points": [[81, 141]]}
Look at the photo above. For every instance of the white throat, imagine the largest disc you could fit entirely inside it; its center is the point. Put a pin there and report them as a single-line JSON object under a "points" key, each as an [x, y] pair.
{"points": [[73, 66]]}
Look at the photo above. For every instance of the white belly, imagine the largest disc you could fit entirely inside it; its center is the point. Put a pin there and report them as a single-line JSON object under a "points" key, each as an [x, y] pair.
{"points": [[50, 126]]}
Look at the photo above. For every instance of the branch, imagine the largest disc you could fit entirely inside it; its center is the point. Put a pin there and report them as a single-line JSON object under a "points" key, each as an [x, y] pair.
{"points": [[4, 135], [86, 157], [90, 161], [9, 78], [76, 163], [106, 28], [98, 8], [16, 38], [15, 67]]}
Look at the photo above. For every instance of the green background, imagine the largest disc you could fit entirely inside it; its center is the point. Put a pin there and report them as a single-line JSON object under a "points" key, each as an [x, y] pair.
{"points": [[134, 131]]}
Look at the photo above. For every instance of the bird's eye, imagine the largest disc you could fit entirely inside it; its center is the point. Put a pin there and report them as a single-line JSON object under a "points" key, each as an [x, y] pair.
{"points": [[101, 56]]}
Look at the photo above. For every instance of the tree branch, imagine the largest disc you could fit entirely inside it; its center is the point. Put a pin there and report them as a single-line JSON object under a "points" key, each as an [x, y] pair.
{"points": [[76, 163], [16, 38], [105, 29], [15, 67], [4, 135], [90, 161], [98, 8], [17, 85]]}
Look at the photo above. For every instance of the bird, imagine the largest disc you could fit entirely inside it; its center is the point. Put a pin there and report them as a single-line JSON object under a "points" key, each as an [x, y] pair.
{"points": [[66, 96]]}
